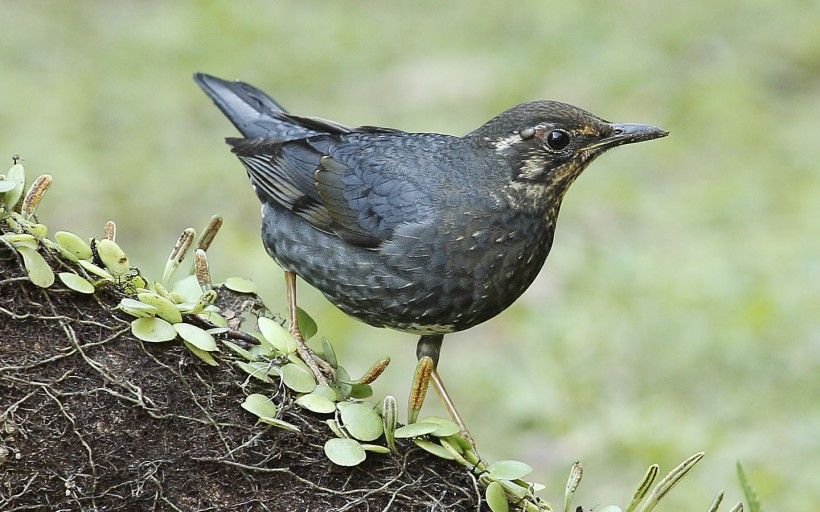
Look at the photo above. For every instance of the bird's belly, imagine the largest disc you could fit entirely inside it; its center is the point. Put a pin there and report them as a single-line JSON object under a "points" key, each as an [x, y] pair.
{"points": [[408, 284]]}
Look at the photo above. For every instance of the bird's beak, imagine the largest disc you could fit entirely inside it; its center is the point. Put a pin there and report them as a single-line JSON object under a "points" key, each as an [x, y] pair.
{"points": [[627, 133]]}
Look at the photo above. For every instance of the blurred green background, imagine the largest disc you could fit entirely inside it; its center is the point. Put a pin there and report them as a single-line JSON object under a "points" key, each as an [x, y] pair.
{"points": [[680, 308]]}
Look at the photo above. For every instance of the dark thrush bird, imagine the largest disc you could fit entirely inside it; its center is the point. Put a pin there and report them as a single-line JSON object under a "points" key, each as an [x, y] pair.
{"points": [[420, 232]]}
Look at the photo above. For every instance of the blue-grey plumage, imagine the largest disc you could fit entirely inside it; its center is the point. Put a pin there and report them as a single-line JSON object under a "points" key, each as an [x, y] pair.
{"points": [[420, 232]]}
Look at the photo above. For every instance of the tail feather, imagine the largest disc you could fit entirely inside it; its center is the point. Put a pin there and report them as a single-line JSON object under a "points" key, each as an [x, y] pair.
{"points": [[257, 115], [253, 112]]}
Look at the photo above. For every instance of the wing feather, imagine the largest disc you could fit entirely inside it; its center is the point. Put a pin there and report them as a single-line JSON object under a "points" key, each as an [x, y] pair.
{"points": [[340, 184]]}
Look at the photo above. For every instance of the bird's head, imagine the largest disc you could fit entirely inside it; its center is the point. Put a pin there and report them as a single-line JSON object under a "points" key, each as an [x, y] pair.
{"points": [[547, 144]]}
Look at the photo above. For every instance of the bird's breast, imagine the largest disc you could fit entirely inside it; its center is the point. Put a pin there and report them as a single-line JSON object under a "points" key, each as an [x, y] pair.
{"points": [[440, 276]]}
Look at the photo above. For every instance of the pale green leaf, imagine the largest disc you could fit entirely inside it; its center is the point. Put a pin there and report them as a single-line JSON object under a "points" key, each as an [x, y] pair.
{"points": [[166, 309], [258, 370], [328, 354], [284, 425], [239, 350], [202, 354], [73, 244], [375, 448], [316, 403], [188, 287], [97, 271], [136, 308], [445, 427], [414, 430], [344, 452], [241, 285], [497, 498], [113, 257], [39, 272], [307, 326], [327, 392], [360, 391], [75, 282], [434, 448], [261, 350], [196, 336], [362, 422], [276, 335], [16, 175], [260, 405], [215, 318], [297, 378], [509, 469], [153, 329]]}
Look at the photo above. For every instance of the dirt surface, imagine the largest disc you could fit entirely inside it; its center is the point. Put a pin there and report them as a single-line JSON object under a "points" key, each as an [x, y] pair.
{"points": [[91, 418]]}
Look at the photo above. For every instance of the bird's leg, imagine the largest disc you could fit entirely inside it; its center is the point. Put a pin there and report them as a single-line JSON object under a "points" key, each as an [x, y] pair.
{"points": [[308, 356], [427, 351]]}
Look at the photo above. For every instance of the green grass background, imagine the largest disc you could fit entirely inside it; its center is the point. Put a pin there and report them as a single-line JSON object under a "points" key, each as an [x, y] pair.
{"points": [[680, 308]]}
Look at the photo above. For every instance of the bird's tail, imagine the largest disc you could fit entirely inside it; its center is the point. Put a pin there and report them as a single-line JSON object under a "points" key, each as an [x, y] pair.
{"points": [[253, 112]]}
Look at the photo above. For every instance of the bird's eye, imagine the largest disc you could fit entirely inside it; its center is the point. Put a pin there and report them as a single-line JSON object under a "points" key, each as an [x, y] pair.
{"points": [[558, 139]]}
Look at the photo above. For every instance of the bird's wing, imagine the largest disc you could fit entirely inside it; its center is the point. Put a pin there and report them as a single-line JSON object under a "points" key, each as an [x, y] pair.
{"points": [[347, 186]]}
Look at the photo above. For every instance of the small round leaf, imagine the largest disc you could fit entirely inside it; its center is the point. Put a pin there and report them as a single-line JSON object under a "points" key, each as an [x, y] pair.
{"points": [[261, 350], [215, 318], [255, 369], [297, 378], [203, 355], [38, 230], [153, 329], [344, 452], [75, 282], [196, 336], [445, 427], [97, 271], [136, 308], [414, 430], [284, 425], [239, 350], [39, 272], [307, 325], [496, 498], [328, 353], [259, 405], [362, 422], [113, 257], [375, 448], [316, 403], [189, 288], [435, 449], [241, 285], [281, 339], [327, 392], [16, 175], [165, 308], [360, 391], [509, 469], [73, 244]]}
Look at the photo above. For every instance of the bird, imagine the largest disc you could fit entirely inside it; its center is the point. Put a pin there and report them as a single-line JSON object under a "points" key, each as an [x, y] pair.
{"points": [[423, 233]]}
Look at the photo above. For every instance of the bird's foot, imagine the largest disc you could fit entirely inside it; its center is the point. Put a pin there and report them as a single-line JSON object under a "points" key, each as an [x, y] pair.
{"points": [[320, 368]]}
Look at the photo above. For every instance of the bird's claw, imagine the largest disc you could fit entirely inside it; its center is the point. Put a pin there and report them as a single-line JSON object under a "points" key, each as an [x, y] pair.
{"points": [[320, 368]]}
